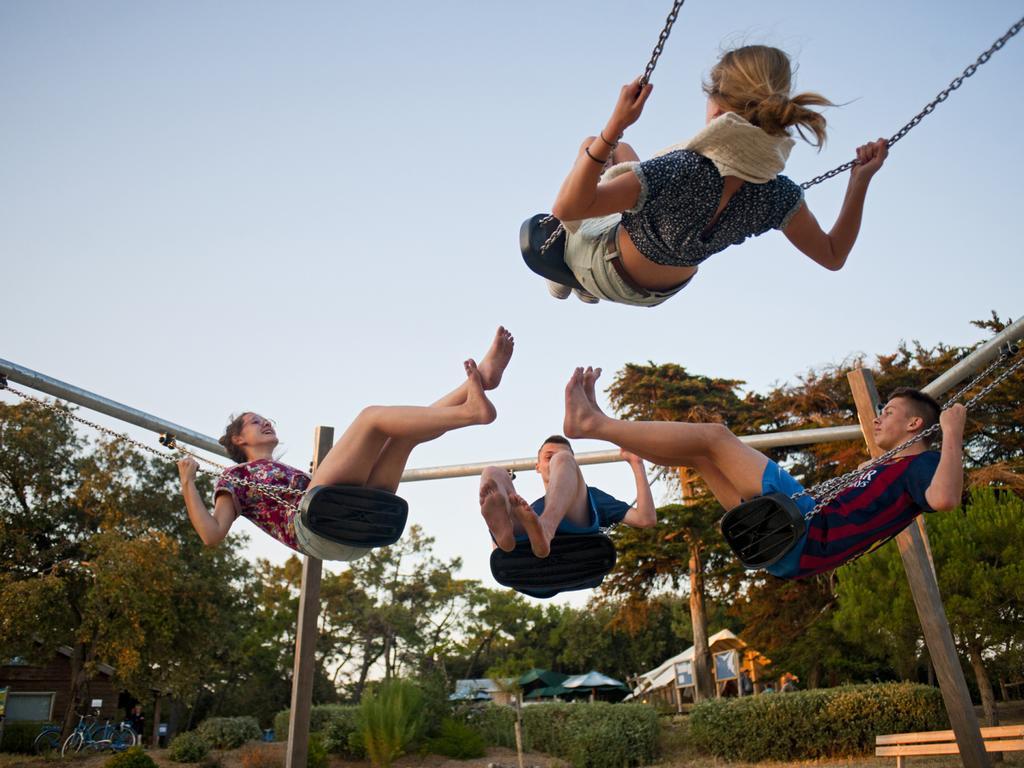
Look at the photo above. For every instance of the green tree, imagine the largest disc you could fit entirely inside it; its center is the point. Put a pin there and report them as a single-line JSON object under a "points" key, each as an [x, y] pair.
{"points": [[979, 559], [688, 543], [95, 553]]}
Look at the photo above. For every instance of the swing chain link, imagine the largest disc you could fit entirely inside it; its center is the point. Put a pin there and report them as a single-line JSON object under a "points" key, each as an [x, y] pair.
{"points": [[827, 491], [930, 107], [644, 80], [273, 491], [660, 45]]}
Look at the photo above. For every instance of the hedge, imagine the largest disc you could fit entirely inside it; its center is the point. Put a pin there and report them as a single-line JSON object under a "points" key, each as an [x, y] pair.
{"points": [[807, 725], [598, 735], [132, 758], [319, 717], [228, 732], [19, 736], [188, 747], [495, 723]]}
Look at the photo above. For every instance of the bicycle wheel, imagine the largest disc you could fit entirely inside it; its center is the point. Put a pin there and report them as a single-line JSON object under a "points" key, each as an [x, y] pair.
{"points": [[47, 742], [72, 744], [122, 738]]}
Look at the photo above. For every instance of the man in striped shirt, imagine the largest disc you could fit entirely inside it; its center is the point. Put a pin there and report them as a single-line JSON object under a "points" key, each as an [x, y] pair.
{"points": [[877, 505]]}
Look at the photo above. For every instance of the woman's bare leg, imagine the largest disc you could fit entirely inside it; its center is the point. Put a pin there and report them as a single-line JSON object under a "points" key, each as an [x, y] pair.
{"points": [[353, 457], [387, 470], [674, 443]]}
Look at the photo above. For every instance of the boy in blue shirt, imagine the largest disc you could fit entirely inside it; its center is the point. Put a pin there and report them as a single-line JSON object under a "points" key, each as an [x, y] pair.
{"points": [[567, 506]]}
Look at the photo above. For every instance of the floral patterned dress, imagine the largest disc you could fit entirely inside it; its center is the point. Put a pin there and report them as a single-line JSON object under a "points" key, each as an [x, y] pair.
{"points": [[267, 513]]}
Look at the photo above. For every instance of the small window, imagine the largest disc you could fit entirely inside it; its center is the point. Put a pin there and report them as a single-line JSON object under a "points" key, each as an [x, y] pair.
{"points": [[29, 706]]}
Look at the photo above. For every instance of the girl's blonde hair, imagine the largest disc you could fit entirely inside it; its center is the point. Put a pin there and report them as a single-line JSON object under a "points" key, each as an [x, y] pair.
{"points": [[754, 82]]}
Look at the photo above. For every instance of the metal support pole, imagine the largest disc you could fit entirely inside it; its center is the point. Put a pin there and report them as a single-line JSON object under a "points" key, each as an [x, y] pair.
{"points": [[925, 590], [305, 638], [72, 394]]}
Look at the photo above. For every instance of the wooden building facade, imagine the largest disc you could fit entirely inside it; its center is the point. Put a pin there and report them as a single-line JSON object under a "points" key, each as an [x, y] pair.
{"points": [[41, 693]]}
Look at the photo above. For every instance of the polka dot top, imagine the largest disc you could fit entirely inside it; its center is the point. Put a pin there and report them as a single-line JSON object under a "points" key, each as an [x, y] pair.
{"points": [[679, 193]]}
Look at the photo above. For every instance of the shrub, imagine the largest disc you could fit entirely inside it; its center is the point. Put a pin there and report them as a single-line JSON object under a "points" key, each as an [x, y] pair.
{"points": [[341, 733], [320, 718], [316, 752], [599, 735], [130, 758], [229, 732], [603, 735], [814, 724], [19, 736], [496, 724], [457, 740], [188, 747], [260, 756], [544, 727], [390, 720]]}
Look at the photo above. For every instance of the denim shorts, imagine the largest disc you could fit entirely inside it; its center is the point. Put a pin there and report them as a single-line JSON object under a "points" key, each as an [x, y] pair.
{"points": [[777, 480], [589, 252], [315, 545]]}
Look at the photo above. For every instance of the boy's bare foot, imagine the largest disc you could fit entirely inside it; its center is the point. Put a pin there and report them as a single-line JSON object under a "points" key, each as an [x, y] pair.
{"points": [[496, 359], [480, 409], [494, 506], [523, 514], [590, 377], [581, 415]]}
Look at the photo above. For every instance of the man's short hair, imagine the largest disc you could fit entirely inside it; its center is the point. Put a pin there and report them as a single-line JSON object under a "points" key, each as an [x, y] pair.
{"points": [[557, 440], [921, 405]]}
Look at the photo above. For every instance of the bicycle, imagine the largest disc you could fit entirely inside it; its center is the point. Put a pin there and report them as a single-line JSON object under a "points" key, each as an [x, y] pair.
{"points": [[48, 740], [90, 734]]}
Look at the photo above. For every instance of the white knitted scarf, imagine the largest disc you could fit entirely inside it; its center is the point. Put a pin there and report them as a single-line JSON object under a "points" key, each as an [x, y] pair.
{"points": [[739, 148]]}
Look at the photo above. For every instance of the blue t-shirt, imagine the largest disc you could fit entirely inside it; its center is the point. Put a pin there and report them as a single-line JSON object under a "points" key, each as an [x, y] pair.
{"points": [[605, 511], [680, 192]]}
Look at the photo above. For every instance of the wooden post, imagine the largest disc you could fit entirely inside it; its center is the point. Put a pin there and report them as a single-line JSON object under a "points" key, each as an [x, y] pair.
{"points": [[305, 638], [518, 726], [925, 590]]}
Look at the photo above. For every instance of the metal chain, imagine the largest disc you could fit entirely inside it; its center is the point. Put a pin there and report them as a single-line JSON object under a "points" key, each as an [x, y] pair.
{"points": [[660, 45], [273, 491], [930, 107], [827, 491], [644, 79]]}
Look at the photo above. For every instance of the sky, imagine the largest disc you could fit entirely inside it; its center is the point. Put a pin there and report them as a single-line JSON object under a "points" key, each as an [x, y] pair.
{"points": [[305, 208]]}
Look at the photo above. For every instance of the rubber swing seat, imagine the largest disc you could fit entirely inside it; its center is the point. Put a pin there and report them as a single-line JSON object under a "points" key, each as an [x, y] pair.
{"points": [[761, 531], [551, 263], [577, 561], [355, 516]]}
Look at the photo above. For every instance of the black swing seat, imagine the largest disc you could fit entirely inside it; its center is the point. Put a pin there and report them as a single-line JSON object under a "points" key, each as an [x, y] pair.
{"points": [[354, 516], [577, 561], [550, 264], [761, 531]]}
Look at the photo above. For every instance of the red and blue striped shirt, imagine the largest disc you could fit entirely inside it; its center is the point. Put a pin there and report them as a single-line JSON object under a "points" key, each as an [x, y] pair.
{"points": [[879, 504]]}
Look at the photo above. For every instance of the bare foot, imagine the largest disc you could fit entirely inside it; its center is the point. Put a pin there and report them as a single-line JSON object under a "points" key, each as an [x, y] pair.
{"points": [[496, 359], [590, 377], [480, 409], [494, 506], [581, 415], [523, 514]]}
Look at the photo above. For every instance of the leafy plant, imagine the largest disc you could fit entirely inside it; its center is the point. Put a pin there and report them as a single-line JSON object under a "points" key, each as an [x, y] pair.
{"points": [[132, 758], [229, 732], [390, 720], [457, 740], [188, 747]]}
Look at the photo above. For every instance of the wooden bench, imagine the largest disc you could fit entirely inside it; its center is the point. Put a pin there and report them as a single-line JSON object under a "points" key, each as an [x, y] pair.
{"points": [[1001, 738]]}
